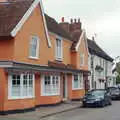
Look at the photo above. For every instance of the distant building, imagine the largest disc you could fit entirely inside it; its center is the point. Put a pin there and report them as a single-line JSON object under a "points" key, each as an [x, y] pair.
{"points": [[100, 65]]}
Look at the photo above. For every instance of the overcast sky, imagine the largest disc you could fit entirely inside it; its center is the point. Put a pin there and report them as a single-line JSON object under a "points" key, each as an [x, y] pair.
{"points": [[97, 16]]}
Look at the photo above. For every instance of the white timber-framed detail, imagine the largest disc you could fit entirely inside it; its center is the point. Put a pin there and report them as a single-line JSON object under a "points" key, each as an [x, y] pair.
{"points": [[21, 86], [26, 16], [79, 42], [82, 36], [45, 24]]}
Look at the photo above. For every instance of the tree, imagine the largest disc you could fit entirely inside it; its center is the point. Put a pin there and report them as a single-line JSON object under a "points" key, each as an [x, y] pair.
{"points": [[118, 79], [118, 71], [118, 67]]}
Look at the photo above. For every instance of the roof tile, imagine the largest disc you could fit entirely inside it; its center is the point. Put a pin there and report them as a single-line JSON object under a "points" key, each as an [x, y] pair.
{"points": [[12, 13]]}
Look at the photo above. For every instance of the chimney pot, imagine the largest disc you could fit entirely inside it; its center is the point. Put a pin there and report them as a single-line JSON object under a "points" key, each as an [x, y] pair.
{"points": [[75, 20], [71, 20], [79, 20], [62, 19]]}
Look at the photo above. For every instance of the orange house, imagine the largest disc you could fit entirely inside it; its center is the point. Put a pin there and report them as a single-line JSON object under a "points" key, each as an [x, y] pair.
{"points": [[41, 62]]}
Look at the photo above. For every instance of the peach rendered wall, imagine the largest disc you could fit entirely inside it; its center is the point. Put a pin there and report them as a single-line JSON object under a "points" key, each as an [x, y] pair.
{"points": [[6, 49], [34, 26], [82, 49], [75, 56], [77, 94], [18, 104], [3, 77]]}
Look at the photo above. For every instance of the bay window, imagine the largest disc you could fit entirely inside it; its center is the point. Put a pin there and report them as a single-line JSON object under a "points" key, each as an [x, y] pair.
{"points": [[77, 82], [50, 85], [21, 86]]}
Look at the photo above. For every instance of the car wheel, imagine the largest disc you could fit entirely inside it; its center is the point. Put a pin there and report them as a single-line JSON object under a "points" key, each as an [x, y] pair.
{"points": [[103, 104], [83, 105], [110, 102]]}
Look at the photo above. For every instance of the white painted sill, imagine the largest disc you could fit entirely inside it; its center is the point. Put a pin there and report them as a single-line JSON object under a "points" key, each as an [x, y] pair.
{"points": [[59, 59], [44, 95], [19, 98], [33, 58], [77, 88]]}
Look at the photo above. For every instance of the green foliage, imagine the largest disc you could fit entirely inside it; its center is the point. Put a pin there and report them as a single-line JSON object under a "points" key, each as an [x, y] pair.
{"points": [[118, 71], [118, 67], [118, 79]]}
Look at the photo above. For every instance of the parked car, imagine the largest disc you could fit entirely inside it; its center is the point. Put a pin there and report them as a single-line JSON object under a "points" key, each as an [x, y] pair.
{"points": [[114, 92], [98, 98]]}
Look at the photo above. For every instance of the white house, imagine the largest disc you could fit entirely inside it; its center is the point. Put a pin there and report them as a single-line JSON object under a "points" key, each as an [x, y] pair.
{"points": [[100, 66]]}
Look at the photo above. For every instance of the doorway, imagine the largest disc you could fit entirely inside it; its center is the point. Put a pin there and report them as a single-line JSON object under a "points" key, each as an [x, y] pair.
{"points": [[64, 87]]}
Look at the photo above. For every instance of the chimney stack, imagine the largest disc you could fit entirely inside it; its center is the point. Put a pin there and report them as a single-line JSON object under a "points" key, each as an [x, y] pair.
{"points": [[73, 26]]}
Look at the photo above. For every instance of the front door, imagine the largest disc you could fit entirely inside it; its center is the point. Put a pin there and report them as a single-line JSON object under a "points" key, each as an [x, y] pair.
{"points": [[64, 87]]}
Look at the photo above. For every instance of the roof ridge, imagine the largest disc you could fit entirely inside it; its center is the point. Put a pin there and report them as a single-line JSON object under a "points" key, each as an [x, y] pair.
{"points": [[96, 49], [61, 31]]}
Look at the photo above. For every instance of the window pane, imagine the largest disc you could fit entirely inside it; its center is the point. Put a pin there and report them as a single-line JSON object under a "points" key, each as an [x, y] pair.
{"points": [[76, 83], [21, 88], [25, 87], [58, 48], [15, 85], [81, 80], [51, 86], [47, 86], [33, 46]]}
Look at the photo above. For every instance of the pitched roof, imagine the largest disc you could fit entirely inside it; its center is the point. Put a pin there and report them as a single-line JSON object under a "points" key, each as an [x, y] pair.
{"points": [[12, 13], [95, 49], [53, 26]]}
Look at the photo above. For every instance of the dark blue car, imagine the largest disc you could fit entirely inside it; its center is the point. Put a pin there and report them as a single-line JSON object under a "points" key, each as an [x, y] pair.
{"points": [[97, 98]]}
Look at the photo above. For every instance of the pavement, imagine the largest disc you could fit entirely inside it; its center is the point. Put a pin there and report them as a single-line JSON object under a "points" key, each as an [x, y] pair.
{"points": [[75, 112], [107, 113], [44, 112]]}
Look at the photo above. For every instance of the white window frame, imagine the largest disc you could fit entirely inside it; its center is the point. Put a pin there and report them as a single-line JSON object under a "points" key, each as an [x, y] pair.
{"points": [[82, 59], [21, 87], [42, 86], [37, 48], [59, 51], [79, 81]]}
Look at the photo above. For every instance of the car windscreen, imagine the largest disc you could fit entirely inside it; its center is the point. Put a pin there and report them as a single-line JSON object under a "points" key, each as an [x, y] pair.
{"points": [[95, 93]]}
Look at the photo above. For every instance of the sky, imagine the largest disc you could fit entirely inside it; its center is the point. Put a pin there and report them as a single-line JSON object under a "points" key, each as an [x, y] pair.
{"points": [[100, 17]]}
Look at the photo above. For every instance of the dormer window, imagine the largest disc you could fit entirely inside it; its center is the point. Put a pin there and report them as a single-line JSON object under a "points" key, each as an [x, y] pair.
{"points": [[59, 50]]}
